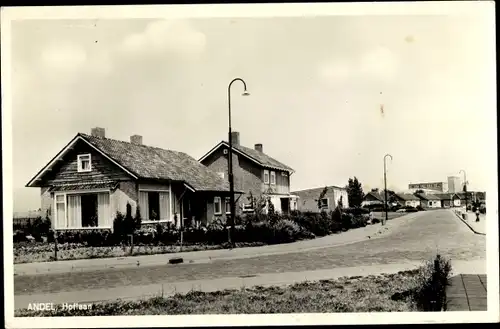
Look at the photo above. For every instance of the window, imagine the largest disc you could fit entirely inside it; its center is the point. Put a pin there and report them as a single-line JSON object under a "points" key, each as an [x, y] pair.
{"points": [[155, 205], [273, 178], [221, 174], [266, 176], [84, 163], [217, 206], [228, 205], [83, 210], [248, 208], [324, 203], [60, 211]]}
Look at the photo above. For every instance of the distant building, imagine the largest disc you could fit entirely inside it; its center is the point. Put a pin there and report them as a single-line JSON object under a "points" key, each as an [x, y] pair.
{"points": [[429, 200], [454, 184], [434, 186], [405, 199], [308, 199]]}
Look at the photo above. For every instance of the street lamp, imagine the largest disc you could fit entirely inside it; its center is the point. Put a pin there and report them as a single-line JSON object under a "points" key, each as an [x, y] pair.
{"points": [[465, 187], [230, 155], [385, 188]]}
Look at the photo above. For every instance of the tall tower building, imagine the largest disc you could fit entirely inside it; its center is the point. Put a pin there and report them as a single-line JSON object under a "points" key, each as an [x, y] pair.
{"points": [[454, 184]]}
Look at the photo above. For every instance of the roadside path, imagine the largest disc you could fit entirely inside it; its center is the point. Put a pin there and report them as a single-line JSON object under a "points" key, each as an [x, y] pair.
{"points": [[470, 222]]}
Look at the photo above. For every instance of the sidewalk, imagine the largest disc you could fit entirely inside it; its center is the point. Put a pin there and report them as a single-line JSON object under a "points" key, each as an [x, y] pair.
{"points": [[349, 237], [476, 227], [467, 292], [265, 279]]}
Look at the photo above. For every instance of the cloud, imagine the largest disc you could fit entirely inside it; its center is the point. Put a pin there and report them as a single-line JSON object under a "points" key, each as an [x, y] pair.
{"points": [[379, 64], [64, 56], [175, 36]]}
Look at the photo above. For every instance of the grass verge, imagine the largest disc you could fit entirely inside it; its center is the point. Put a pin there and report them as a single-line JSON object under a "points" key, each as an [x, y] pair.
{"points": [[25, 255], [422, 289]]}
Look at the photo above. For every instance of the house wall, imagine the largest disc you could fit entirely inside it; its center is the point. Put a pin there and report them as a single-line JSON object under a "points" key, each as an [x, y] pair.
{"points": [[248, 177], [47, 200], [67, 170], [434, 203], [412, 203], [307, 198], [282, 185], [125, 193]]}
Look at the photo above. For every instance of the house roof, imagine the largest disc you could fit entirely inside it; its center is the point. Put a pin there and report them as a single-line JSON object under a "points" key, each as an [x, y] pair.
{"points": [[258, 157], [447, 196], [377, 195], [406, 196], [147, 162], [428, 197], [83, 186], [319, 189]]}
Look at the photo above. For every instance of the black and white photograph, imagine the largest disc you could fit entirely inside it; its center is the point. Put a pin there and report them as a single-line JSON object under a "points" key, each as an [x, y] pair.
{"points": [[250, 164]]}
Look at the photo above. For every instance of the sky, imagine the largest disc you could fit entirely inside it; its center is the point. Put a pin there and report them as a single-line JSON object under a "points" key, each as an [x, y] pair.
{"points": [[330, 95]]}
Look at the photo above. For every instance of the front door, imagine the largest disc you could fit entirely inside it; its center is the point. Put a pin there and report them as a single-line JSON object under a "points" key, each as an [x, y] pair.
{"points": [[285, 205]]}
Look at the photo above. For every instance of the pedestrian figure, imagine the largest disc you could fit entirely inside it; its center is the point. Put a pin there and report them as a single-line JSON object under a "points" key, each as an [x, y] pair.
{"points": [[370, 217], [477, 214]]}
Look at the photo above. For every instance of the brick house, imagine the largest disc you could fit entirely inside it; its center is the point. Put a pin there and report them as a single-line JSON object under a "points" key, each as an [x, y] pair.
{"points": [[93, 177], [308, 199], [254, 173]]}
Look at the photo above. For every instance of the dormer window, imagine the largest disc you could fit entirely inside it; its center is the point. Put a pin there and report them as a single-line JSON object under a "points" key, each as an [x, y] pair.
{"points": [[84, 164]]}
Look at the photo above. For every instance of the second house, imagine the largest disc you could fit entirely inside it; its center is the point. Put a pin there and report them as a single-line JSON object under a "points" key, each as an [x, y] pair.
{"points": [[255, 173]]}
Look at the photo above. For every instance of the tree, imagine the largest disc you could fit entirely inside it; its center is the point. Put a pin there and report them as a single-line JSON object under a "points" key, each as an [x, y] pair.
{"points": [[354, 192], [419, 191], [321, 196]]}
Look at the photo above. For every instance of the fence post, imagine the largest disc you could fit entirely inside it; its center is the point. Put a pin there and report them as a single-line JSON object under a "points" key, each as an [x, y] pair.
{"points": [[55, 245], [131, 244]]}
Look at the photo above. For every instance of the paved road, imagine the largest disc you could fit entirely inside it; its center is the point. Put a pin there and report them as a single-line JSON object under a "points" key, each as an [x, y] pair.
{"points": [[416, 239]]}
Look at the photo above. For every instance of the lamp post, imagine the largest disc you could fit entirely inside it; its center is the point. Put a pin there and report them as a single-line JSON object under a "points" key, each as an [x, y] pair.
{"points": [[465, 187], [385, 188], [230, 156]]}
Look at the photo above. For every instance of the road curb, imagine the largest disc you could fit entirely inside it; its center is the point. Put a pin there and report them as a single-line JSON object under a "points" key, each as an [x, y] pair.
{"points": [[468, 225]]}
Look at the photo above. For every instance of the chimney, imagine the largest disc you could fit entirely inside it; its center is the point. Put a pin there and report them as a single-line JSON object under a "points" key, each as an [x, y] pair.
{"points": [[235, 136], [258, 147], [98, 132], [136, 139]]}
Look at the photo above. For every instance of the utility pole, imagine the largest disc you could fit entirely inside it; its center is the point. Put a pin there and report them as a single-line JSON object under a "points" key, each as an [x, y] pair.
{"points": [[385, 189]]}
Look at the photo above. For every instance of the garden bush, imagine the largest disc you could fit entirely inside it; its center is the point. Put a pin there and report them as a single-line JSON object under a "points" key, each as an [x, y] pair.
{"points": [[320, 224], [433, 279]]}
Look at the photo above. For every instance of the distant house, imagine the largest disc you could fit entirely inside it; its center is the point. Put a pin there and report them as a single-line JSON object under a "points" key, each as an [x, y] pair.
{"points": [[449, 200], [429, 200], [255, 173], [93, 177], [308, 199], [406, 199], [373, 198]]}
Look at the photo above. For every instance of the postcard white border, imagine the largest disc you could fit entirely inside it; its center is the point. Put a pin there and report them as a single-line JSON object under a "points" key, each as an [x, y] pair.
{"points": [[483, 8]]}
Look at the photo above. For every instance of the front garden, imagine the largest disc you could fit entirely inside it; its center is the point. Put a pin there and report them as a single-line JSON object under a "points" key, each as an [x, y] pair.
{"points": [[37, 243]]}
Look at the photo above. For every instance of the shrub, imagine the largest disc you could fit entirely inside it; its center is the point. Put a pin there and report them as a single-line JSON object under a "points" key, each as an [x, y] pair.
{"points": [[287, 231], [317, 223], [420, 208], [433, 279], [356, 211]]}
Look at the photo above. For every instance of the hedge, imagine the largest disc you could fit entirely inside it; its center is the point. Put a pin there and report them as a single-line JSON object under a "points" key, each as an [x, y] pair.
{"points": [[266, 228]]}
